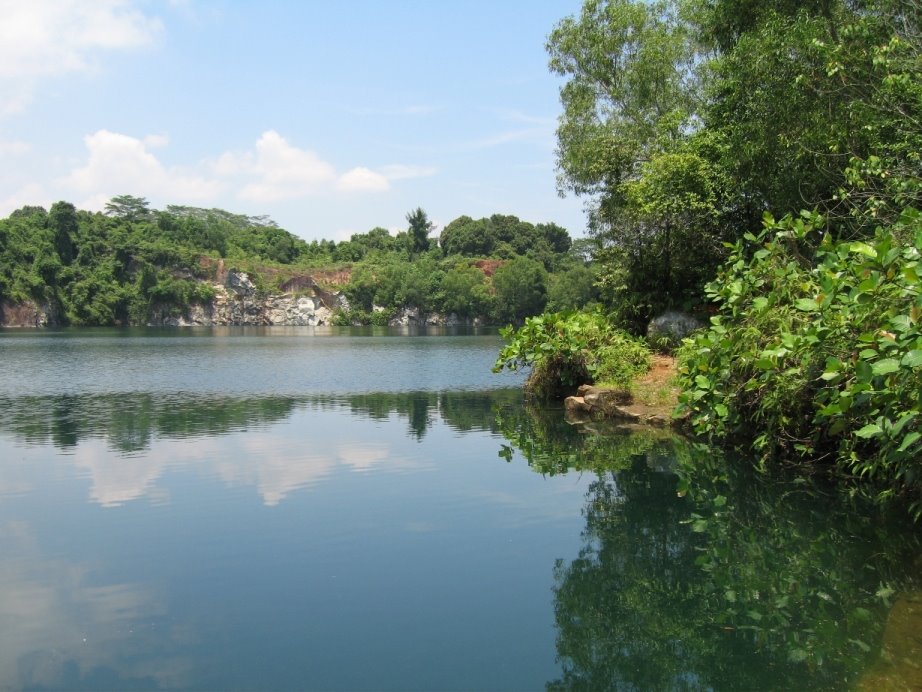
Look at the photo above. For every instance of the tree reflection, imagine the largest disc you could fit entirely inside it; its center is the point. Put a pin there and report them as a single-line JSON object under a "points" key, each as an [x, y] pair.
{"points": [[697, 574], [130, 422]]}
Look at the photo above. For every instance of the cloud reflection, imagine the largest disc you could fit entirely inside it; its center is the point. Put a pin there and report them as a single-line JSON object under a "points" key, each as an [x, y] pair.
{"points": [[126, 444], [59, 627]]}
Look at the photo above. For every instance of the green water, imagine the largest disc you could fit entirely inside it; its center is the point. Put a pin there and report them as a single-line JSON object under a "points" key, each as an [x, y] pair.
{"points": [[371, 509]]}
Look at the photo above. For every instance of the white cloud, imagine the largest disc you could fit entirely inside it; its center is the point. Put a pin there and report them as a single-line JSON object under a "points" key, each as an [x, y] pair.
{"points": [[272, 171], [14, 148], [279, 170], [31, 193], [51, 38], [362, 180], [284, 171], [120, 164]]}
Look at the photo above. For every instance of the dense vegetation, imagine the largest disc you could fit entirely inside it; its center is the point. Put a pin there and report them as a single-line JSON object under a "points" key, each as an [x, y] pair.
{"points": [[500, 269], [690, 125], [119, 266], [567, 349]]}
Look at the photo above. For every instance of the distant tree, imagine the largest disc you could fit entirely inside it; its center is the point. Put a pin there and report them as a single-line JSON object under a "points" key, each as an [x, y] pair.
{"points": [[376, 239], [63, 221], [128, 207], [27, 211], [469, 238], [419, 229], [348, 251], [521, 289], [465, 292], [571, 289], [556, 236]]}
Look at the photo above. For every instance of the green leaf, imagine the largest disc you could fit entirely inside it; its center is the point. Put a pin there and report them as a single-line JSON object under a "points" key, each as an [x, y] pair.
{"points": [[913, 359], [699, 526], [806, 305], [885, 366], [702, 382], [863, 249], [869, 430], [909, 441]]}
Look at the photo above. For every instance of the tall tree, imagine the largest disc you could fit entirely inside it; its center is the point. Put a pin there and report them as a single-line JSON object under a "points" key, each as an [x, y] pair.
{"points": [[63, 221], [128, 207], [418, 232]]}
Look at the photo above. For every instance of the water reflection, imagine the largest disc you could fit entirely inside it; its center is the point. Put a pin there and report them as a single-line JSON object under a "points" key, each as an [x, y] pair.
{"points": [[695, 573], [124, 443], [67, 630]]}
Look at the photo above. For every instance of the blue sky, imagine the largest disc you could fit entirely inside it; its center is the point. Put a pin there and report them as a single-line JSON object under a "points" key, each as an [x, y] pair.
{"points": [[332, 118]]}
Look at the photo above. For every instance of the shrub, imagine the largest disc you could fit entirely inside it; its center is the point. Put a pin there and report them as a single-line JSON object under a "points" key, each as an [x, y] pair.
{"points": [[817, 352], [566, 349]]}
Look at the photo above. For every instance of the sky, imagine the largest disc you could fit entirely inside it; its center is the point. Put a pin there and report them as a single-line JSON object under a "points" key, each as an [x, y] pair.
{"points": [[329, 117]]}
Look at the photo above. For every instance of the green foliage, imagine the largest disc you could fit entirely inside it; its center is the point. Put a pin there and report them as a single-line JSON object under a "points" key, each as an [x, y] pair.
{"points": [[119, 267], [817, 351], [521, 289], [629, 69], [685, 119], [572, 289], [465, 292], [418, 232], [567, 349], [128, 207]]}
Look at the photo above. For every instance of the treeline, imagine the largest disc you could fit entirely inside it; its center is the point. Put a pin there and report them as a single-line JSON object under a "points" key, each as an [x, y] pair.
{"points": [[116, 267], [759, 163], [499, 269]]}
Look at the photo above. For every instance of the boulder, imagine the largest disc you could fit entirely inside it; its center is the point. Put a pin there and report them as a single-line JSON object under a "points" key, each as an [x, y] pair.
{"points": [[240, 283], [576, 404], [672, 326]]}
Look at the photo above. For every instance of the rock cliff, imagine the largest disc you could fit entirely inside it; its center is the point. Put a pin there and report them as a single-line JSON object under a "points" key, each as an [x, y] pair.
{"points": [[237, 302]]}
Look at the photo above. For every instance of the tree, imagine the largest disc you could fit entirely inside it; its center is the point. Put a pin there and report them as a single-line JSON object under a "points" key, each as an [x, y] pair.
{"points": [[418, 232], [128, 207], [521, 289], [629, 65], [63, 221], [465, 293], [631, 96], [467, 237]]}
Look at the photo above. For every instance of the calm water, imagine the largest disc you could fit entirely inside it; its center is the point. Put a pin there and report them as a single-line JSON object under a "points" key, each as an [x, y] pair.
{"points": [[362, 509]]}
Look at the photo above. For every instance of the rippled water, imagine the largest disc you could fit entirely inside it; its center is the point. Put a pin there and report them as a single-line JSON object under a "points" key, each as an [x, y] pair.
{"points": [[316, 508]]}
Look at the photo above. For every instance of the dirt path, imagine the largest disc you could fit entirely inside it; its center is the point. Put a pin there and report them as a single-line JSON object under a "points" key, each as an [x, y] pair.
{"points": [[656, 394]]}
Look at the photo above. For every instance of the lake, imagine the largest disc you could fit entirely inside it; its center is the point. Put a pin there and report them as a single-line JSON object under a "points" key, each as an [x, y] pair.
{"points": [[373, 509]]}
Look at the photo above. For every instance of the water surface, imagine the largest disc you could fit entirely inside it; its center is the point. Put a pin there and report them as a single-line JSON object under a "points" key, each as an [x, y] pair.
{"points": [[316, 508]]}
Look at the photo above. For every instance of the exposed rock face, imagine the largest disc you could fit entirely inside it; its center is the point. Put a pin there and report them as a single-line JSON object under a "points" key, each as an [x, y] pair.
{"points": [[28, 314], [237, 302], [411, 316], [239, 283]]}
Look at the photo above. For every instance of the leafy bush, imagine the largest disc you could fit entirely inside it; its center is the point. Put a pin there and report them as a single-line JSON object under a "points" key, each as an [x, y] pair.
{"points": [[817, 351], [566, 349]]}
